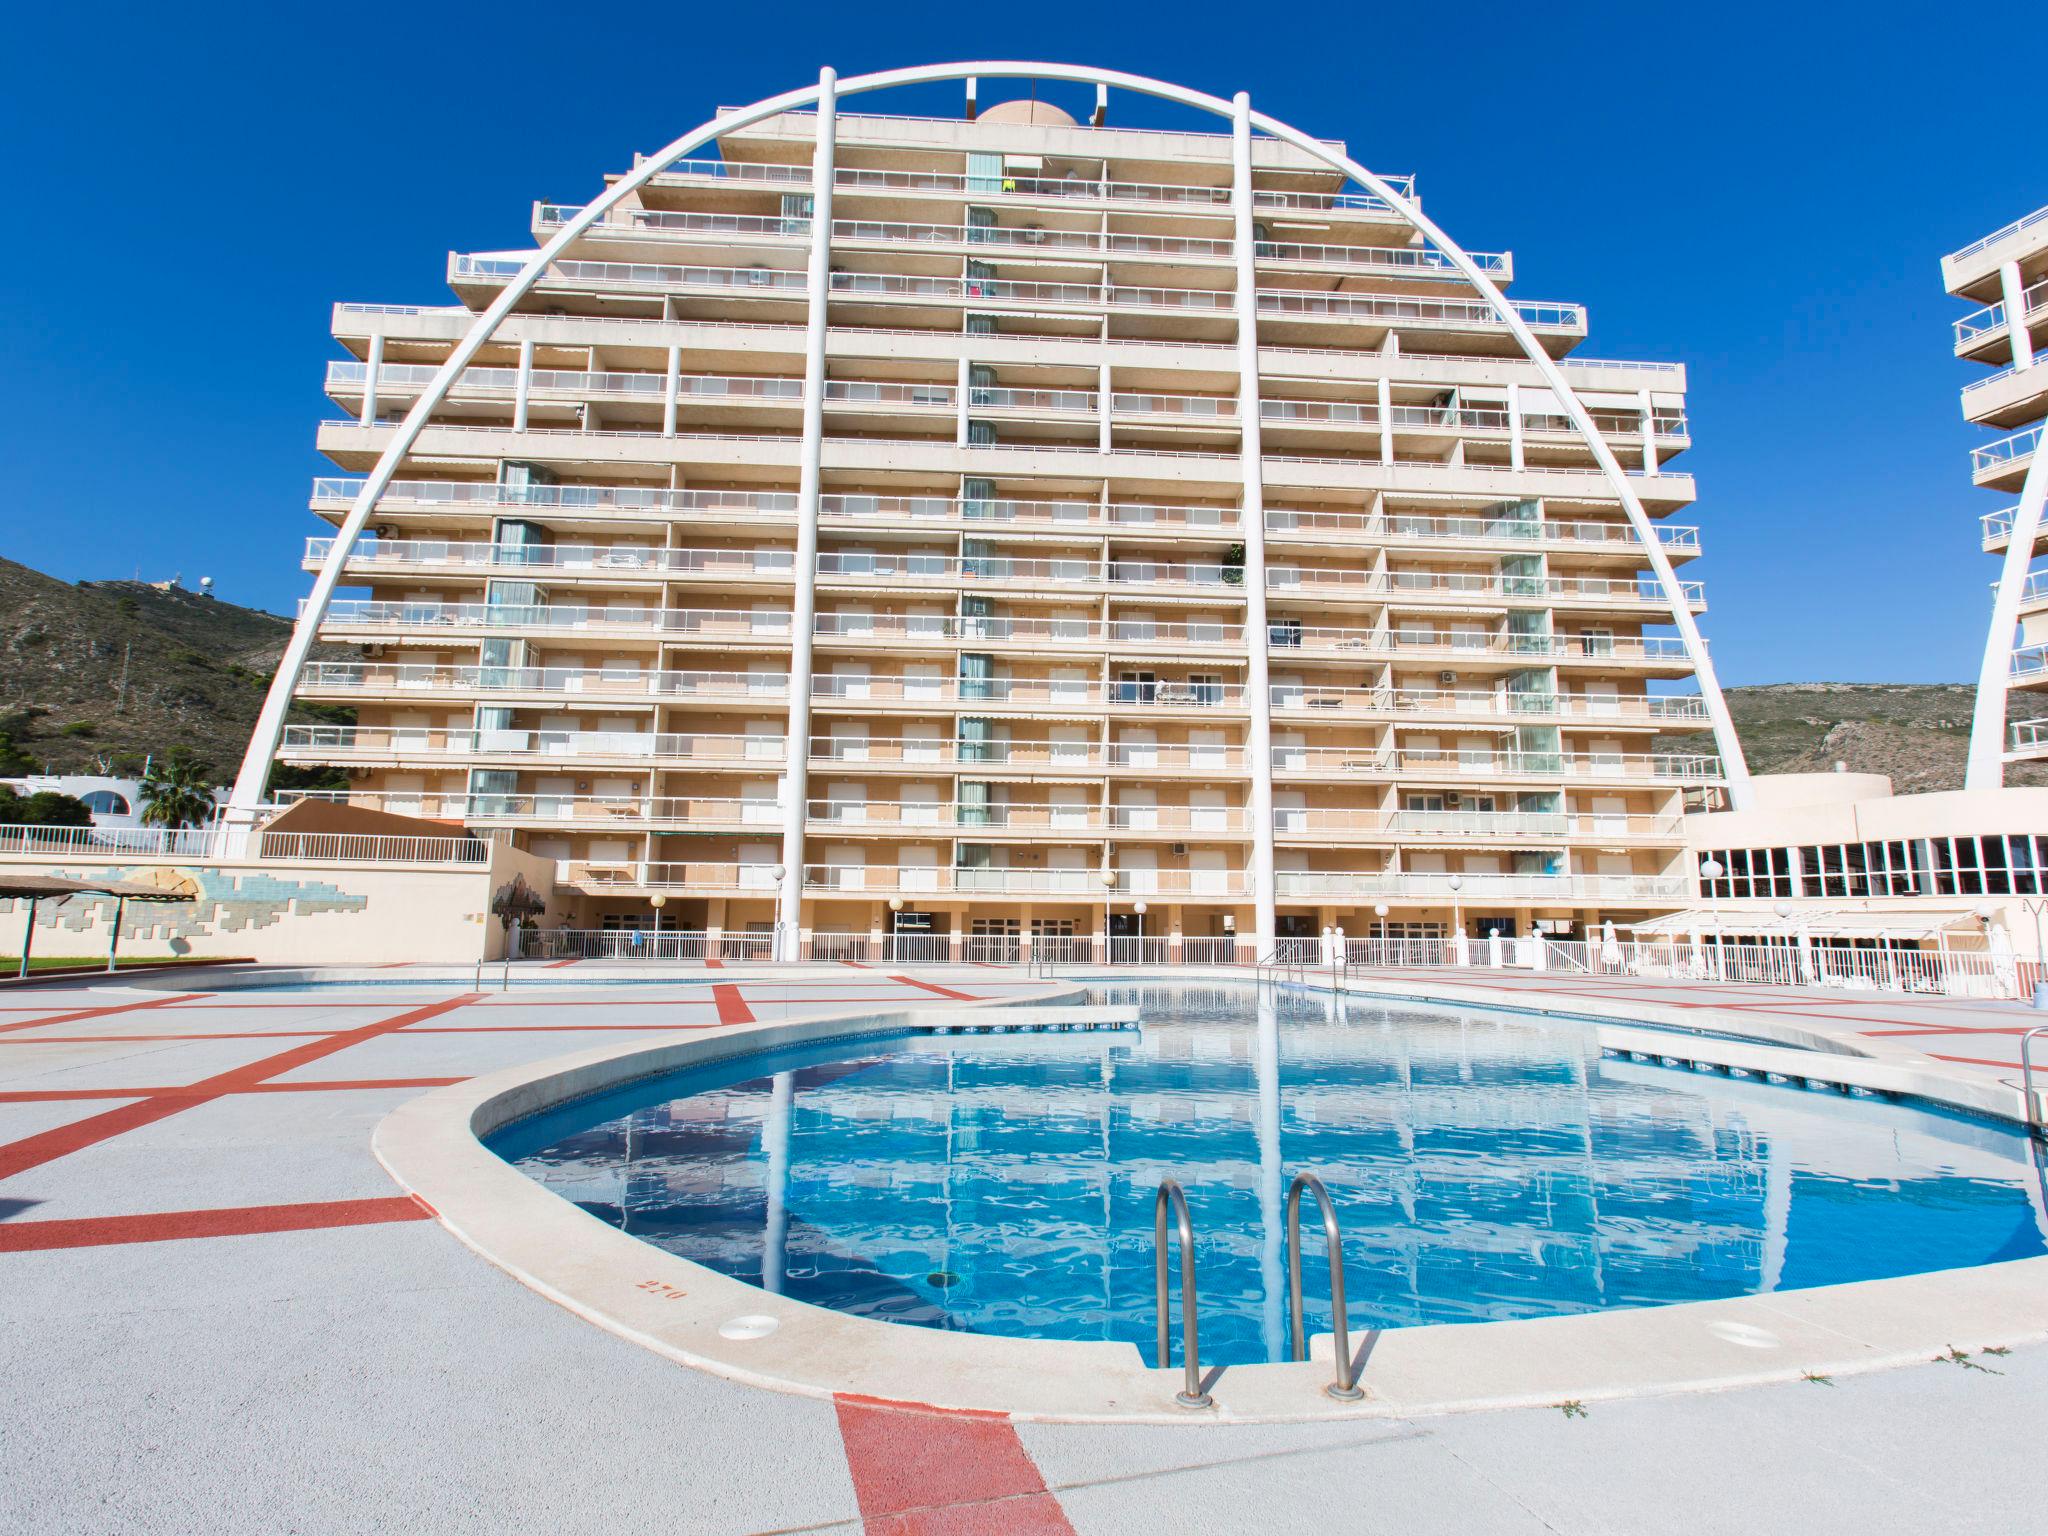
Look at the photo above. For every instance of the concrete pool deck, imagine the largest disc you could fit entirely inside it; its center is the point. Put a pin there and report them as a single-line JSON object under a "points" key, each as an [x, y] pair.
{"points": [[220, 1313]]}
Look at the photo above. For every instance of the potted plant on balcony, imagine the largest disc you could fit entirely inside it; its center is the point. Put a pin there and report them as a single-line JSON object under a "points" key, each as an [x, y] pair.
{"points": [[1233, 565]]}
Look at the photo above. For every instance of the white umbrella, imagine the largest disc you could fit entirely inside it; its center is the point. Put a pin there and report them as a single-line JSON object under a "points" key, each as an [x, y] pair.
{"points": [[1610, 945]]}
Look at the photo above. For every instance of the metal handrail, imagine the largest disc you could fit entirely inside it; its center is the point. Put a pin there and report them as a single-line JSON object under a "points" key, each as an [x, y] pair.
{"points": [[1191, 1394], [2027, 1078], [1344, 1388]]}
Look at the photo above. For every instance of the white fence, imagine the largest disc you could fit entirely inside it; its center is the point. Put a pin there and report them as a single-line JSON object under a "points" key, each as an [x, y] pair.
{"points": [[108, 844]]}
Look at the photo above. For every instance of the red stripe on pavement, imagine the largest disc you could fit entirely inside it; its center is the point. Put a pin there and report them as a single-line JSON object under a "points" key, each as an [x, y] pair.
{"points": [[61, 1141], [556, 965], [922, 1472], [712, 963], [236, 1221], [98, 1013], [732, 1008], [927, 986], [59, 1095]]}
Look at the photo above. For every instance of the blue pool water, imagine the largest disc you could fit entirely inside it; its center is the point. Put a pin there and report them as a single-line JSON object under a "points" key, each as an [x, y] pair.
{"points": [[1484, 1166]]}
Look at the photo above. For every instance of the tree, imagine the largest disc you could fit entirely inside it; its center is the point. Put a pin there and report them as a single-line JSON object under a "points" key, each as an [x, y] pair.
{"points": [[44, 808], [177, 791]]}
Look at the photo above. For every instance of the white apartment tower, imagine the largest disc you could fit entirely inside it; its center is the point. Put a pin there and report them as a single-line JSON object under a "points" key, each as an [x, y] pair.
{"points": [[2006, 273], [1012, 525]]}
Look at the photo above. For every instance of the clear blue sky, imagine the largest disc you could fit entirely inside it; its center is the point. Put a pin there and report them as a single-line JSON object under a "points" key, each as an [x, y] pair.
{"points": [[1761, 192]]}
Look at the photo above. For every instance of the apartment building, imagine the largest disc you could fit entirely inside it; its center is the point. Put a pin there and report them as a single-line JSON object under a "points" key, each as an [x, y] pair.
{"points": [[1154, 586], [2006, 274]]}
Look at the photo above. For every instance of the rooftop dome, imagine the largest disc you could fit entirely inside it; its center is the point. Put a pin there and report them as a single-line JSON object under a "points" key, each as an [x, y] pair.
{"points": [[1043, 113]]}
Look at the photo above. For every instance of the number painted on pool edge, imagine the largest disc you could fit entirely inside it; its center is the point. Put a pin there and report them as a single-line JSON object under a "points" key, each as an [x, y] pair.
{"points": [[662, 1289]]}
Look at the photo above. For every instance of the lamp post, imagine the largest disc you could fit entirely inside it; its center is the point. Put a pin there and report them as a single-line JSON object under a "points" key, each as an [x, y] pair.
{"points": [[780, 873], [657, 901], [1379, 911], [2037, 906], [1711, 869], [1791, 914], [1459, 952], [895, 906]]}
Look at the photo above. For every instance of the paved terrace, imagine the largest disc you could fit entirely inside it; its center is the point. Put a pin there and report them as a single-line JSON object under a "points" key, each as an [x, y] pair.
{"points": [[217, 1314]]}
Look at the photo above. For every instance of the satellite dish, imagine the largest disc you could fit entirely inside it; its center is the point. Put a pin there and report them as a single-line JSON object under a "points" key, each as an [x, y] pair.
{"points": [[206, 586]]}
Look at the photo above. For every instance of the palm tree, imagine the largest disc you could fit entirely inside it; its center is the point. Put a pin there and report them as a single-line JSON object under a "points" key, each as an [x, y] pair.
{"points": [[177, 792]]}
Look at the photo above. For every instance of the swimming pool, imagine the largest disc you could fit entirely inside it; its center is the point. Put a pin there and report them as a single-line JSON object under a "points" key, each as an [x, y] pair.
{"points": [[1484, 1165]]}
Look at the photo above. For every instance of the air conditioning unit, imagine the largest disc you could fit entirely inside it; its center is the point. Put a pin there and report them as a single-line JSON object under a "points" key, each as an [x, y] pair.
{"points": [[1451, 801], [1447, 677], [372, 652], [1178, 850]]}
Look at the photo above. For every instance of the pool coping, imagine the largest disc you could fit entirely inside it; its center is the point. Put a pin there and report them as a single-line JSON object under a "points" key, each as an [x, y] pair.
{"points": [[432, 1146]]}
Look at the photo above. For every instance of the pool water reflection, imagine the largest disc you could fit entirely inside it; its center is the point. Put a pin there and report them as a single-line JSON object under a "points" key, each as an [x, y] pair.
{"points": [[1484, 1166]]}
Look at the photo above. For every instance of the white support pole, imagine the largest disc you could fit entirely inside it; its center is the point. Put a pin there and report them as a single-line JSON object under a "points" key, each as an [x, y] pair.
{"points": [[2013, 290], [1385, 398], [114, 933], [372, 369], [524, 386], [1517, 447], [673, 383], [1102, 403], [1649, 411], [1251, 453], [1985, 767], [961, 388], [789, 896]]}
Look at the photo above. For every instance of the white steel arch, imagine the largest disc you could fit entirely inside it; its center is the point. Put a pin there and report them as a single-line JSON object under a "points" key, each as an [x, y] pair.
{"points": [[1986, 766], [263, 741]]}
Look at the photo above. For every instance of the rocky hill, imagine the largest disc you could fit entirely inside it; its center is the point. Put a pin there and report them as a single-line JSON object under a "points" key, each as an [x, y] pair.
{"points": [[1918, 733], [109, 671]]}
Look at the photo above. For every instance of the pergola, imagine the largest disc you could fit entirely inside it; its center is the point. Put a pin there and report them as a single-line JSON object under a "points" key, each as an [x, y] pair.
{"points": [[36, 889]]}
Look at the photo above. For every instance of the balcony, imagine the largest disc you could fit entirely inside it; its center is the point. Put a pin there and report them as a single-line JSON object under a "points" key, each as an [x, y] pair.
{"points": [[940, 630], [1138, 759], [1521, 889], [1427, 766], [600, 682], [348, 743], [1223, 581], [1024, 820], [1075, 884], [1411, 586], [1985, 329], [1029, 693], [1404, 824], [419, 622], [1383, 260], [608, 560], [1023, 189], [2003, 465], [2030, 737], [1350, 527]]}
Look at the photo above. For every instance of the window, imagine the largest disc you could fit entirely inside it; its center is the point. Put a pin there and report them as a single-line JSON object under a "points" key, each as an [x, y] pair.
{"points": [[104, 802]]}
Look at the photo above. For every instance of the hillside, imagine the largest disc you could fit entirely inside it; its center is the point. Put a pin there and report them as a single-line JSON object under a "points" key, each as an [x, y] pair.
{"points": [[1917, 733], [196, 670]]}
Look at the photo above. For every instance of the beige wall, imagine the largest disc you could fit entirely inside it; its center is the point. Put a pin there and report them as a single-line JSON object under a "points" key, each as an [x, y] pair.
{"points": [[298, 913]]}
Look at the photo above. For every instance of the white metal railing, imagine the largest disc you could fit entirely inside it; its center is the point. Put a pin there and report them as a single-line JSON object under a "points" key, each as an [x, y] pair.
{"points": [[1991, 319], [2006, 451], [997, 630], [643, 944], [223, 842], [1485, 763], [602, 559], [1393, 526], [1997, 235], [601, 681], [1397, 259], [1090, 884], [2030, 660], [2040, 380], [402, 741], [1015, 817], [2029, 735], [1998, 525], [1297, 821], [1630, 590], [1482, 887], [416, 618], [1047, 692], [340, 490]]}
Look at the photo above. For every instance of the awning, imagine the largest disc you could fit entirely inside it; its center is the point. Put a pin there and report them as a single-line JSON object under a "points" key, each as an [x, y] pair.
{"points": [[1817, 923]]}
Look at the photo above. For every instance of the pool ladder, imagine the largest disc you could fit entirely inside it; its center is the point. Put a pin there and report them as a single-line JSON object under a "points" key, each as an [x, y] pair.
{"points": [[2028, 1103], [1172, 1202]]}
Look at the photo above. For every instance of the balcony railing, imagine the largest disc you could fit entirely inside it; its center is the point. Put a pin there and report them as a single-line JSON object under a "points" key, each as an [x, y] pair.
{"points": [[1012, 817], [1083, 884], [789, 283], [416, 619], [1980, 323], [1997, 235], [2006, 452], [1484, 887], [1042, 756], [259, 845], [322, 743], [601, 559], [996, 630], [1411, 584], [1026, 692], [2029, 735], [1376, 527], [598, 682], [1480, 762], [1393, 259], [1028, 188]]}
